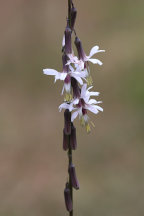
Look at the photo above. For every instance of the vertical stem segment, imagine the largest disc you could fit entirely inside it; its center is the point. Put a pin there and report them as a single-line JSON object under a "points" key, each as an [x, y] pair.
{"points": [[69, 146], [69, 12], [70, 181]]}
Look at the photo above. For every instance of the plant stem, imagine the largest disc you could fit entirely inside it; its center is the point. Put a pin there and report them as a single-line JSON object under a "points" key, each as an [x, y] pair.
{"points": [[70, 182], [70, 150], [69, 12]]}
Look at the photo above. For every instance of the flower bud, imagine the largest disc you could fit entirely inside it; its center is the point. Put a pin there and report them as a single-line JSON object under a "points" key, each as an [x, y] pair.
{"points": [[75, 86], [73, 141], [80, 50], [73, 177], [68, 200], [65, 140], [73, 17], [64, 60], [67, 122], [68, 46]]}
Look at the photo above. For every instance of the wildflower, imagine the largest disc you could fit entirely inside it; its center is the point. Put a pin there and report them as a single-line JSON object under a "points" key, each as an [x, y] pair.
{"points": [[66, 77], [82, 105], [82, 56]]}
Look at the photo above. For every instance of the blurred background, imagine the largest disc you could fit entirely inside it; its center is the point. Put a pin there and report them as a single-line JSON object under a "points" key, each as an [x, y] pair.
{"points": [[109, 161]]}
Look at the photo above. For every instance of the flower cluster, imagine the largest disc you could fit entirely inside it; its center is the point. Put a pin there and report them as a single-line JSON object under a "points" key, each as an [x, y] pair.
{"points": [[76, 76]]}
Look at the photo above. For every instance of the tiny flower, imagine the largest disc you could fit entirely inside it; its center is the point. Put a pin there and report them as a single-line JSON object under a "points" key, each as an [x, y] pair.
{"points": [[73, 177], [73, 140], [82, 105], [67, 122], [82, 56], [66, 77], [68, 199]]}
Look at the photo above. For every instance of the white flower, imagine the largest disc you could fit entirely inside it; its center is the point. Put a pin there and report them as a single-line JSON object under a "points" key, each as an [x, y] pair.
{"points": [[66, 76], [80, 62], [82, 105]]}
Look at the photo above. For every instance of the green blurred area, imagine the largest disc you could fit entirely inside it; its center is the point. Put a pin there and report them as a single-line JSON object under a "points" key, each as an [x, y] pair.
{"points": [[109, 162]]}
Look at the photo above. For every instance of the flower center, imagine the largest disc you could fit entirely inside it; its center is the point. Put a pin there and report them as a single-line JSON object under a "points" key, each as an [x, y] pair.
{"points": [[67, 79], [84, 111]]}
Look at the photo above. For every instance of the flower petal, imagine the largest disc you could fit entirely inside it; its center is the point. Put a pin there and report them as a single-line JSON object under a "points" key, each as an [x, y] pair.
{"points": [[94, 93], [98, 107], [95, 61], [71, 68], [92, 101], [50, 72], [64, 106], [83, 90], [62, 91], [91, 108], [95, 50], [74, 115], [63, 41]]}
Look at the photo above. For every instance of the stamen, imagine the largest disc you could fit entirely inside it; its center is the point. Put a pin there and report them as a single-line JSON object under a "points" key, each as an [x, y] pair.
{"points": [[68, 97], [82, 122], [88, 129], [92, 124], [89, 80]]}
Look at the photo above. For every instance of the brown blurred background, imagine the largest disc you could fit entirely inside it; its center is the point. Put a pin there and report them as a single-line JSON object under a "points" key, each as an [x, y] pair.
{"points": [[109, 161]]}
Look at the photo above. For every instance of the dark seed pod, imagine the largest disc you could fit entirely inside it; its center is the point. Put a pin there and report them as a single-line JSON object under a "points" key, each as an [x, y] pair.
{"points": [[75, 87], [73, 140], [80, 50], [67, 122], [68, 45], [68, 200], [65, 141], [73, 177], [73, 17], [64, 60]]}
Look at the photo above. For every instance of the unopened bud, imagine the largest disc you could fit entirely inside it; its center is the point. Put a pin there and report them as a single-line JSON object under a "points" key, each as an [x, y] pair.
{"points": [[73, 140], [80, 50], [67, 122], [68, 200], [73, 177], [73, 17], [65, 140], [76, 88], [68, 46], [64, 60]]}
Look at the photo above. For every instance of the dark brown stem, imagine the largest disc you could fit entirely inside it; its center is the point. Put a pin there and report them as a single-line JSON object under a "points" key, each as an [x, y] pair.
{"points": [[70, 150], [70, 182], [69, 12]]}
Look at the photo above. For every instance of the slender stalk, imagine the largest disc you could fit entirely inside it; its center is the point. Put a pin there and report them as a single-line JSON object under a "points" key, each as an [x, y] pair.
{"points": [[70, 182], [69, 12], [69, 146]]}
